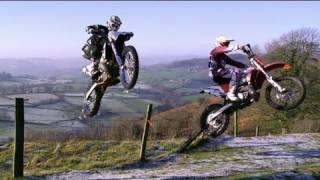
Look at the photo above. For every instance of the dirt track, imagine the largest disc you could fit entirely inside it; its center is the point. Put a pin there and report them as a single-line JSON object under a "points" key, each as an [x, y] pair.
{"points": [[225, 156]]}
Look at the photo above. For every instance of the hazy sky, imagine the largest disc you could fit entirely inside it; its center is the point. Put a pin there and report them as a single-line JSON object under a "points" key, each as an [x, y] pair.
{"points": [[162, 29]]}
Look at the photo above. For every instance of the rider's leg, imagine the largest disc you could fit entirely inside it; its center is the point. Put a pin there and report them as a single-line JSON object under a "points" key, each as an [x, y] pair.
{"points": [[95, 68], [109, 74], [234, 74], [227, 74], [235, 79]]}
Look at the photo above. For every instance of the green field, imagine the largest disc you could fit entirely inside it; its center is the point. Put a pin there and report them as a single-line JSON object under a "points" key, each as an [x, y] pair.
{"points": [[6, 129], [62, 109], [196, 97]]}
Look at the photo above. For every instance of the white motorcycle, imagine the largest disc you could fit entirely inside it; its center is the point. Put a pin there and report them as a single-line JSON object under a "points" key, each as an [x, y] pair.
{"points": [[282, 93]]}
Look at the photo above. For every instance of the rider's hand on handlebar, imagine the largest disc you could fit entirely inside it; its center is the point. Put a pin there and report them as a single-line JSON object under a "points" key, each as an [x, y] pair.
{"points": [[239, 47], [130, 34]]}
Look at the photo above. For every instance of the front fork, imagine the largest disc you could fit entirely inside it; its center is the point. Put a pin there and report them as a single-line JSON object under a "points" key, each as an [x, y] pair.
{"points": [[213, 116], [117, 56], [268, 77]]}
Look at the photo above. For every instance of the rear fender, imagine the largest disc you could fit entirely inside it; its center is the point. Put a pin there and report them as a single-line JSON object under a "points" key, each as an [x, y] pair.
{"points": [[259, 76]]}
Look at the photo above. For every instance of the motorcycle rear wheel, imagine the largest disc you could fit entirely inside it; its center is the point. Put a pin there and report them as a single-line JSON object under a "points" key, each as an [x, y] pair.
{"points": [[220, 123], [289, 99], [92, 104]]}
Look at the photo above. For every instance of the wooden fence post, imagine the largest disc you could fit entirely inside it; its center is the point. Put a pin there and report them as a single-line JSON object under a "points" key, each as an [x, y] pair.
{"points": [[189, 141], [283, 131], [257, 131], [145, 133], [19, 139], [235, 123]]}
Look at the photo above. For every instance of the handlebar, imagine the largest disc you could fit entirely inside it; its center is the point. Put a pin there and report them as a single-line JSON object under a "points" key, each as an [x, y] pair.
{"points": [[247, 49]]}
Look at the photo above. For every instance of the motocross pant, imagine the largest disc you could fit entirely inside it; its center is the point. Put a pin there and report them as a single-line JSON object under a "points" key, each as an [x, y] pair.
{"points": [[225, 75]]}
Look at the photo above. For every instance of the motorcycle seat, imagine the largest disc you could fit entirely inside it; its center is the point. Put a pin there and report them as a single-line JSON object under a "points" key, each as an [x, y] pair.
{"points": [[221, 80]]}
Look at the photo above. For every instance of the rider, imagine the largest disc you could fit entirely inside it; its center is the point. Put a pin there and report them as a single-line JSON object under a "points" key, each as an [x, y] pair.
{"points": [[113, 25], [218, 61]]}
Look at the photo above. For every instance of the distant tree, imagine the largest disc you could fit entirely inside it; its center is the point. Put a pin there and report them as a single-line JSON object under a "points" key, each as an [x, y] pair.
{"points": [[6, 76], [301, 48], [257, 50], [296, 47]]}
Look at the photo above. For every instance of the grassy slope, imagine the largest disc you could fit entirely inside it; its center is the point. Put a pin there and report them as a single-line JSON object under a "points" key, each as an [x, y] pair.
{"points": [[48, 158]]}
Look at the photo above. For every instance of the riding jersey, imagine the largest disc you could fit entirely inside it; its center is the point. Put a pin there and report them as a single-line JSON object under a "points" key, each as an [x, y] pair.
{"points": [[218, 58]]}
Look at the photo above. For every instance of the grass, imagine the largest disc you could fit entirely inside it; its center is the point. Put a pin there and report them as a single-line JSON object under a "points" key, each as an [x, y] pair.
{"points": [[6, 101], [195, 97], [136, 105], [37, 98], [310, 170], [246, 175], [45, 158], [195, 152], [213, 153], [4, 131], [49, 157], [70, 108]]}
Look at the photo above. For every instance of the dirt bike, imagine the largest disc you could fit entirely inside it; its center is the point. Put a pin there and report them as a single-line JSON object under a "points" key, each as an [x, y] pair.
{"points": [[282, 93], [119, 60]]}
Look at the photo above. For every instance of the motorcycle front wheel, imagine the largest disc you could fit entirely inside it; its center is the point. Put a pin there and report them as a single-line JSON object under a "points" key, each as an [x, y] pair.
{"points": [[292, 97], [92, 103], [129, 73], [219, 124]]}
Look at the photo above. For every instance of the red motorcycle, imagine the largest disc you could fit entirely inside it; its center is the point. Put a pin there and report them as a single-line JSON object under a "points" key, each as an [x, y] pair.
{"points": [[282, 93]]}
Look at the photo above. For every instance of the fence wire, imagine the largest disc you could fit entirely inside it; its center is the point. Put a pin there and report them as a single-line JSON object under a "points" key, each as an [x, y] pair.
{"points": [[78, 116]]}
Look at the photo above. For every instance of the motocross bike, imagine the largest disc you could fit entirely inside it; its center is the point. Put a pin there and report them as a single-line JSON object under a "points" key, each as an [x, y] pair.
{"points": [[282, 93], [117, 60]]}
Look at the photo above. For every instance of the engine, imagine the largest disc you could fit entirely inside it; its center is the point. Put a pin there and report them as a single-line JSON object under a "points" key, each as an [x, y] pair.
{"points": [[246, 96]]}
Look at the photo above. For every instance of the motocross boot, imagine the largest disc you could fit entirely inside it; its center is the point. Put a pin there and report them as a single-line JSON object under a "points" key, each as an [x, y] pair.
{"points": [[108, 80], [231, 94], [114, 81], [112, 76], [111, 81]]}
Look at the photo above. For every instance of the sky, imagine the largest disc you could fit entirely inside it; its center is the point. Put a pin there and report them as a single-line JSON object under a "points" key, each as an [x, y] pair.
{"points": [[163, 31]]}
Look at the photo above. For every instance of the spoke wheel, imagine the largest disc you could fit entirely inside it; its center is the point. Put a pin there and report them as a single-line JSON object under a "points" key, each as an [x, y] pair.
{"points": [[92, 104], [214, 127], [129, 72], [293, 95]]}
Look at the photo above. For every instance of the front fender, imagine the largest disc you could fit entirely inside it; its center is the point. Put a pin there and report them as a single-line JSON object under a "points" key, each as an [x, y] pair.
{"points": [[259, 79], [277, 65]]}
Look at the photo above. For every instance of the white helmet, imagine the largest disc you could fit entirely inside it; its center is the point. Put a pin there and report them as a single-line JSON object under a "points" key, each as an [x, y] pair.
{"points": [[223, 39], [114, 23]]}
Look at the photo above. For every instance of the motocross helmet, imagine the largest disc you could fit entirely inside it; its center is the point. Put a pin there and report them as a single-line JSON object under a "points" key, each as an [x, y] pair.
{"points": [[223, 40], [114, 23]]}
